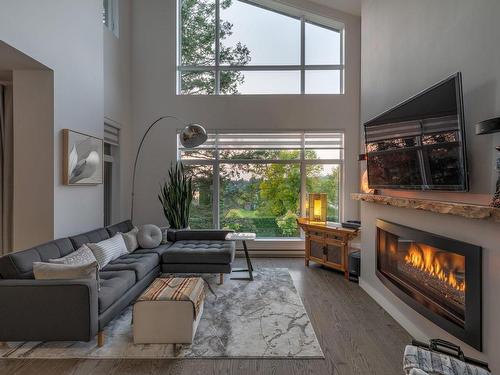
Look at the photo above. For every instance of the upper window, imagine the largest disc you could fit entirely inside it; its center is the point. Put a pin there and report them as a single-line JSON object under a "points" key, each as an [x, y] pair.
{"points": [[241, 47], [110, 15]]}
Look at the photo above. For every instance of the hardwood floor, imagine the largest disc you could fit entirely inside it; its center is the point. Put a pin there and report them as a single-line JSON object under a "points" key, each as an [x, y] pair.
{"points": [[356, 335]]}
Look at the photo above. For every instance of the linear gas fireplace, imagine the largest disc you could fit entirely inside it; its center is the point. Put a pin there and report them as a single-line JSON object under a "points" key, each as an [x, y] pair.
{"points": [[438, 277]]}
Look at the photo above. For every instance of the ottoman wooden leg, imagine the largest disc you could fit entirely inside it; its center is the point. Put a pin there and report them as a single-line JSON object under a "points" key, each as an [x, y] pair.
{"points": [[100, 339], [221, 279]]}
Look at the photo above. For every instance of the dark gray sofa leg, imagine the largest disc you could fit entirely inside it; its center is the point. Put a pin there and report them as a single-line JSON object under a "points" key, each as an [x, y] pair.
{"points": [[100, 339], [221, 278]]}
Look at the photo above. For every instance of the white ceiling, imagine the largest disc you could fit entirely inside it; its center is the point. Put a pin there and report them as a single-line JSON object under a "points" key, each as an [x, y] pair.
{"points": [[348, 6]]}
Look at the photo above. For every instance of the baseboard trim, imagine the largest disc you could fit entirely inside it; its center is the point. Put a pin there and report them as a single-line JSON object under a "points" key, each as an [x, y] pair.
{"points": [[271, 254]]}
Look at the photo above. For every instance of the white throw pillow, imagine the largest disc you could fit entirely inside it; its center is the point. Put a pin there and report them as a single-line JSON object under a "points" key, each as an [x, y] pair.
{"points": [[130, 239], [81, 256], [54, 271], [108, 250]]}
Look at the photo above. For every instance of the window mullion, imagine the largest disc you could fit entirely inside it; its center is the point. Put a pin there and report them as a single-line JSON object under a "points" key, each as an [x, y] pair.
{"points": [[217, 47], [216, 186], [303, 176], [302, 54]]}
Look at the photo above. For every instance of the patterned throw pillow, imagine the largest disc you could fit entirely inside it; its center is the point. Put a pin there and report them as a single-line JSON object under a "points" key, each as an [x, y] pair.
{"points": [[81, 256], [108, 250], [130, 239]]}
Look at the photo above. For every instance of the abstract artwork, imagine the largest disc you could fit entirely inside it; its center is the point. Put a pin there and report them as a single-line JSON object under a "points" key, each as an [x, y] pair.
{"points": [[82, 159]]}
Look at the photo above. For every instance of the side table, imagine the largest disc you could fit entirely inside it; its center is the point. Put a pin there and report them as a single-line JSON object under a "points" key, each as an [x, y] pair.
{"points": [[243, 237]]}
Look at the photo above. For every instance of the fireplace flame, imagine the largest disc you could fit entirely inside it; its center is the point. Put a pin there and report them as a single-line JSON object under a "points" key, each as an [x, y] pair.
{"points": [[424, 258]]}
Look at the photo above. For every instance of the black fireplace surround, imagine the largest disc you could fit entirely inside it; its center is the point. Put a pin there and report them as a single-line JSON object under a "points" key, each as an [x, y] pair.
{"points": [[439, 277]]}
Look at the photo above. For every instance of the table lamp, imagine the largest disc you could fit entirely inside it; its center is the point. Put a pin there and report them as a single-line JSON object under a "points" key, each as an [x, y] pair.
{"points": [[317, 207]]}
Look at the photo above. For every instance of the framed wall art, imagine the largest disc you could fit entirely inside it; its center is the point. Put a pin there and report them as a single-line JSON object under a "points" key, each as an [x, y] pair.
{"points": [[82, 158]]}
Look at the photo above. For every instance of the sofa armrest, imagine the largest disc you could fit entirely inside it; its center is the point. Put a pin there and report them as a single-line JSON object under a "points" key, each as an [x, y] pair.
{"points": [[201, 234], [48, 310]]}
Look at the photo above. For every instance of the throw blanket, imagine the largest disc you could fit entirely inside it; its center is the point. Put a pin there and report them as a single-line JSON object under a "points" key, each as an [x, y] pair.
{"points": [[420, 361], [176, 289]]}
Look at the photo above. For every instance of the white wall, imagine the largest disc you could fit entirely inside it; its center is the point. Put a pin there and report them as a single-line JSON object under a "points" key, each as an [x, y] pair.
{"points": [[117, 101], [154, 94], [407, 46], [66, 36]]}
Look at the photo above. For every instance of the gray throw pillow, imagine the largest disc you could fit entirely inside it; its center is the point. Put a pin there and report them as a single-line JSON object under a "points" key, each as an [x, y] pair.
{"points": [[130, 239], [54, 271], [81, 256], [149, 236]]}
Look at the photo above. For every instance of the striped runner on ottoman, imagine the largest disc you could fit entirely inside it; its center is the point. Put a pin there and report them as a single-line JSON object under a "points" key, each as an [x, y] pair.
{"points": [[169, 311]]}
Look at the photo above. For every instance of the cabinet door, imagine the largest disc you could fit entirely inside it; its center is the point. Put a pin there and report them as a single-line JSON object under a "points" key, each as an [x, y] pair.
{"points": [[317, 248], [335, 254]]}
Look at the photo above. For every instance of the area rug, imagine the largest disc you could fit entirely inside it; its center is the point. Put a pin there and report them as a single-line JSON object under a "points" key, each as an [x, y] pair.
{"points": [[264, 318]]}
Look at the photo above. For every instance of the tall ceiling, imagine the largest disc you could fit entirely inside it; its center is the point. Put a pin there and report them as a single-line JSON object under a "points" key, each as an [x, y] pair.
{"points": [[348, 6]]}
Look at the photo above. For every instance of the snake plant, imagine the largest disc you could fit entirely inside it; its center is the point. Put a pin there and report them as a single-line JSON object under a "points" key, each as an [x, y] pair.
{"points": [[175, 196]]}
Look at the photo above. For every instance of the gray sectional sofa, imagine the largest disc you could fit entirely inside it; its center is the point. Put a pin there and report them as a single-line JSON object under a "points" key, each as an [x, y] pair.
{"points": [[77, 310]]}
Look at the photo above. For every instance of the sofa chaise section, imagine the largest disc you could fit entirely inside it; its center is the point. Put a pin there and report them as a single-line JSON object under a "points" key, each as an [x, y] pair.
{"points": [[199, 251]]}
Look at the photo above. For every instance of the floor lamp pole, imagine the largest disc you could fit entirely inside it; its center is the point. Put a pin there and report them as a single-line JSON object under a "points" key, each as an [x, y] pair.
{"points": [[137, 158]]}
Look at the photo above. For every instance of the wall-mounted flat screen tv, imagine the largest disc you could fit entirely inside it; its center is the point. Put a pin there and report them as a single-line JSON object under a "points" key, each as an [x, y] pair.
{"points": [[420, 144]]}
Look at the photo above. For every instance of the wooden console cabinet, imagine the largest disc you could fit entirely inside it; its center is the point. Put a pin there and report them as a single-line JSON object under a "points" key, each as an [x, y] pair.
{"points": [[327, 244]]}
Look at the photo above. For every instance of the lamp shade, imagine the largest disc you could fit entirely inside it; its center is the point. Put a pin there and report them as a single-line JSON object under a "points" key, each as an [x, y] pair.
{"points": [[317, 207], [488, 126], [193, 135]]}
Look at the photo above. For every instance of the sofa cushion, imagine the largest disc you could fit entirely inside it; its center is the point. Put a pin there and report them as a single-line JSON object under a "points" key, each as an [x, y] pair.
{"points": [[19, 265], [114, 284], [93, 236], [159, 251], [123, 227], [141, 264], [208, 252]]}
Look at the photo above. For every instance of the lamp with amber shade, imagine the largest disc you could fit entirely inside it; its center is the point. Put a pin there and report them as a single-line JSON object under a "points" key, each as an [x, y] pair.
{"points": [[317, 207]]}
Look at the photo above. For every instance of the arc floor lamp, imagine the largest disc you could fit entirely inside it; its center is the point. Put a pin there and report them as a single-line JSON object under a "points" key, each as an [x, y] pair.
{"points": [[191, 136]]}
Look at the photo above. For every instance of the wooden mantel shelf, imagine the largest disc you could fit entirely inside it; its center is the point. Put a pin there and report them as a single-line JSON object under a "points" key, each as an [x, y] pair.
{"points": [[467, 210]]}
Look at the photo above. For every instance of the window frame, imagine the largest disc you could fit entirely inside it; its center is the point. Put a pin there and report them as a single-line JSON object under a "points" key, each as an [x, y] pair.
{"points": [[303, 17], [111, 16], [302, 161]]}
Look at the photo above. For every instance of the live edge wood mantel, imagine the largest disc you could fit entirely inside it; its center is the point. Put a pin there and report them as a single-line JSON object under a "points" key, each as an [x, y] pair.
{"points": [[467, 210], [327, 244]]}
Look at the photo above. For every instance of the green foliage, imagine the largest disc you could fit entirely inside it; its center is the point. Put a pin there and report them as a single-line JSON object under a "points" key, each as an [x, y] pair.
{"points": [[198, 48], [280, 186], [288, 224], [175, 197], [261, 198]]}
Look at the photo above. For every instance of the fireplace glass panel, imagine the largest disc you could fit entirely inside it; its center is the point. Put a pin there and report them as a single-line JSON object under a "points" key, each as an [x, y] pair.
{"points": [[434, 277]]}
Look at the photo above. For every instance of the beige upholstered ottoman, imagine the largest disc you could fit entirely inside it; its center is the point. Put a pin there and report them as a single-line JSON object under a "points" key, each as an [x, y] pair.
{"points": [[169, 311]]}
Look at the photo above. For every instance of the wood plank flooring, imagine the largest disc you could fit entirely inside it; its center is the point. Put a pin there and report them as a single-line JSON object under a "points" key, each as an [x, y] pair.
{"points": [[357, 336]]}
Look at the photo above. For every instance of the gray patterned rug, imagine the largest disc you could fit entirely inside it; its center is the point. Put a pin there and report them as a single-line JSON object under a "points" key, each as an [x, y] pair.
{"points": [[259, 319]]}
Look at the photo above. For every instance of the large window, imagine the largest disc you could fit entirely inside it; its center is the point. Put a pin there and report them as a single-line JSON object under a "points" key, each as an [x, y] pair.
{"points": [[241, 47], [258, 182]]}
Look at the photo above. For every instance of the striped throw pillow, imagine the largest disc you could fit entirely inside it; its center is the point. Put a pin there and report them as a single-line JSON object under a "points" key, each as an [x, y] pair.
{"points": [[108, 250]]}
